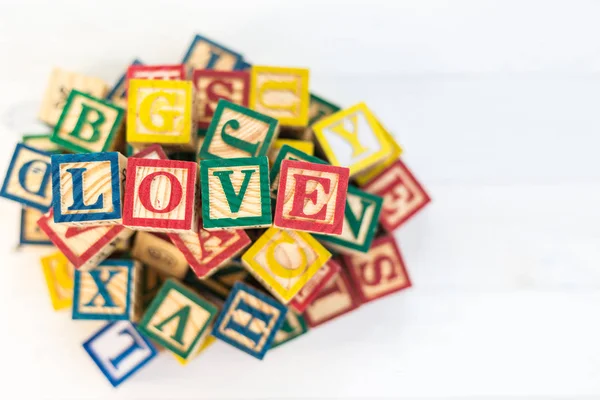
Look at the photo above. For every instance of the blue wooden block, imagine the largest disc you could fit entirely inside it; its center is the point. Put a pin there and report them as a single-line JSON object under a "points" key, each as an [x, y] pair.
{"points": [[107, 291], [203, 53], [119, 350], [29, 232], [28, 178], [88, 188], [249, 320], [118, 93]]}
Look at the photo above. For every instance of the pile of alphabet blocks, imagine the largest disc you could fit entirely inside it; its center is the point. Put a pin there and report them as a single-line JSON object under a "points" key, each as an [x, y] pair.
{"points": [[209, 200]]}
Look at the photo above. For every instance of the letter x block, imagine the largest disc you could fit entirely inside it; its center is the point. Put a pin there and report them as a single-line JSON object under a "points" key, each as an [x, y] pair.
{"points": [[178, 319], [380, 272], [353, 138], [161, 195], [211, 86], [58, 272], [403, 196], [249, 320], [119, 350], [284, 261], [88, 124], [88, 188], [237, 131], [311, 197], [235, 193], [28, 178]]}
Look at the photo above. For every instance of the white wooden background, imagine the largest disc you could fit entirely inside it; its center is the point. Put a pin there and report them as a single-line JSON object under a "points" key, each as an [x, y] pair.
{"points": [[497, 104]]}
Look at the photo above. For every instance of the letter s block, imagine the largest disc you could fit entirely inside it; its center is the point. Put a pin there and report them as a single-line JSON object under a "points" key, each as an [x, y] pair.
{"points": [[160, 111], [284, 261], [88, 188], [161, 195], [88, 124], [311, 197]]}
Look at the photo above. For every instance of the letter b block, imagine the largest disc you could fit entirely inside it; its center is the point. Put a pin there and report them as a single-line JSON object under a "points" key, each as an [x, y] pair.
{"points": [[88, 188], [311, 197], [161, 195]]}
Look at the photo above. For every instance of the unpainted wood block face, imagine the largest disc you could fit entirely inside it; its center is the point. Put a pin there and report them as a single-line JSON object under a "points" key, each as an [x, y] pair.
{"points": [[159, 254]]}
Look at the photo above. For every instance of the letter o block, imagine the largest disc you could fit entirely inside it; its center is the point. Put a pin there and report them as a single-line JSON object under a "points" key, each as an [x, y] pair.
{"points": [[161, 195], [311, 197]]}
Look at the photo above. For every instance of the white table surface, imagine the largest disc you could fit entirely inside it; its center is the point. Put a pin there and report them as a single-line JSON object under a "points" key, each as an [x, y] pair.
{"points": [[497, 104]]}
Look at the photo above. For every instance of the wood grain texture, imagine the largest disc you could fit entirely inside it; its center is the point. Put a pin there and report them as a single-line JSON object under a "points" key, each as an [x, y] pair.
{"points": [[58, 272], [203, 53], [305, 146], [310, 291], [159, 254], [41, 142], [30, 233], [60, 84], [175, 72]]}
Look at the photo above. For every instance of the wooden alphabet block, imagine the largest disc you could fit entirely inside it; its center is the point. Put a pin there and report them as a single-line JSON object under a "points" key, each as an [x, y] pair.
{"points": [[30, 233], [311, 197], [305, 146], [220, 283], [150, 282], [174, 72], [336, 298], [60, 85], [235, 193], [118, 93], [352, 138], [206, 251], [281, 93], [160, 254], [59, 278], [310, 291], [209, 341], [161, 111], [380, 272], [87, 189], [85, 247], [152, 152], [206, 54], [212, 85], [403, 196], [364, 177], [119, 350], [361, 217], [294, 326], [284, 261], [237, 131], [88, 124], [107, 291], [178, 319], [28, 178], [320, 108], [41, 142], [161, 195], [249, 320], [288, 152]]}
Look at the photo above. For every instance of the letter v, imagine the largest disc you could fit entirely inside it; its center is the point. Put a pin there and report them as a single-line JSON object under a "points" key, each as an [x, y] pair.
{"points": [[353, 222], [234, 200]]}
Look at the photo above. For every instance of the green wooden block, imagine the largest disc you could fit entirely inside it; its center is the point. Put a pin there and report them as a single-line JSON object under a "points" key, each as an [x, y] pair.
{"points": [[87, 124], [320, 108], [235, 193], [293, 326], [289, 153]]}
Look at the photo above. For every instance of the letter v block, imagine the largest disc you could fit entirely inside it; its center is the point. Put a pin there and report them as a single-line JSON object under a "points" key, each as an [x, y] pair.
{"points": [[235, 193], [28, 178], [311, 197], [178, 319], [237, 131], [353, 138], [161, 195], [249, 320], [107, 291], [88, 188], [87, 124], [284, 261]]}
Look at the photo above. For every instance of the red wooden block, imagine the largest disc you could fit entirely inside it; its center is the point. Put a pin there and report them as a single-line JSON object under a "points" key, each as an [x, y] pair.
{"points": [[311, 197], [154, 151], [336, 298], [164, 72], [84, 247], [160, 195], [403, 196], [206, 251], [310, 291], [379, 272], [213, 85]]}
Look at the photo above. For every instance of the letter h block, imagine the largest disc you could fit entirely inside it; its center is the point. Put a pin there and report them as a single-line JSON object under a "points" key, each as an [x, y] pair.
{"points": [[311, 197], [88, 188], [161, 195], [249, 320]]}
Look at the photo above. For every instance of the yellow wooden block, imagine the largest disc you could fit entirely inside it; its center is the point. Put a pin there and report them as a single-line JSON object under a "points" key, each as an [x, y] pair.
{"points": [[209, 341], [160, 111], [353, 138], [370, 173], [281, 93], [284, 261], [58, 272], [305, 146]]}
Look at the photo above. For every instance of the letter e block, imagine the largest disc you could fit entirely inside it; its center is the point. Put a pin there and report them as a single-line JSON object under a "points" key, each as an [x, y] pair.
{"points": [[161, 195], [311, 197], [284, 261], [88, 188], [206, 54], [58, 272], [30, 233], [249, 320], [310, 291]]}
